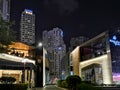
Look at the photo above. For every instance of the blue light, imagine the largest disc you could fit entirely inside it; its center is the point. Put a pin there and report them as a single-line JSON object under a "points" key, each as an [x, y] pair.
{"points": [[115, 41], [114, 37], [59, 48], [28, 11]]}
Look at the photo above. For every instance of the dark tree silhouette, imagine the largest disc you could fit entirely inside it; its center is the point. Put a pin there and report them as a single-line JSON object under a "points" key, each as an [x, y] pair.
{"points": [[7, 34]]}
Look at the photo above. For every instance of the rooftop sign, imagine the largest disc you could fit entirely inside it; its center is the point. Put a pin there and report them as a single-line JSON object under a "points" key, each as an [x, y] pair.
{"points": [[115, 41], [28, 11]]}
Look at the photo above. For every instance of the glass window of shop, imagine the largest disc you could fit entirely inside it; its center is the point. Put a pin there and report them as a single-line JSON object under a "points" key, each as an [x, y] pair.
{"points": [[93, 49], [93, 74]]}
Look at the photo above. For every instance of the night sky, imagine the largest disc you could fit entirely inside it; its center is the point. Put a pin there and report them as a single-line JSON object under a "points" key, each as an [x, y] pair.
{"points": [[75, 17]]}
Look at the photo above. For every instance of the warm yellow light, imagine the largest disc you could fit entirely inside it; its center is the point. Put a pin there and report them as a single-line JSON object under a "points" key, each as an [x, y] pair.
{"points": [[106, 67], [15, 58]]}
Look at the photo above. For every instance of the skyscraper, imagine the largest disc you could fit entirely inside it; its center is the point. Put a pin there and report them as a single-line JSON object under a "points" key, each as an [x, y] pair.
{"points": [[75, 41], [5, 9], [56, 49], [66, 61], [27, 28]]}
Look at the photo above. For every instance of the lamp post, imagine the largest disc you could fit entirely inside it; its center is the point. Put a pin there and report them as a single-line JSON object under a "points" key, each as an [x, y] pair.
{"points": [[24, 62], [39, 54], [44, 52]]}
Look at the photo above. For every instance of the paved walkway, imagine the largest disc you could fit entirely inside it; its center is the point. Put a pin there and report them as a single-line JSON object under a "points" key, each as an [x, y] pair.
{"points": [[54, 87], [48, 87]]}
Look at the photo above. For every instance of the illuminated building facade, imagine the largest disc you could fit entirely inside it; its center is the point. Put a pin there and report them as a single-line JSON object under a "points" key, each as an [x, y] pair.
{"points": [[18, 64], [5, 9], [98, 59], [74, 42], [56, 49], [27, 28], [22, 50], [66, 63]]}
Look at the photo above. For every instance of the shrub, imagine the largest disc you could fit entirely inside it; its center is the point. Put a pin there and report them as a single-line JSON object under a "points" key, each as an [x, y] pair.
{"points": [[20, 86], [84, 86], [72, 81], [7, 80], [64, 84], [59, 83], [13, 86]]}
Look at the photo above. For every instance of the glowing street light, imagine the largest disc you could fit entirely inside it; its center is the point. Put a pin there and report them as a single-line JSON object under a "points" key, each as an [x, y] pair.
{"points": [[40, 44]]}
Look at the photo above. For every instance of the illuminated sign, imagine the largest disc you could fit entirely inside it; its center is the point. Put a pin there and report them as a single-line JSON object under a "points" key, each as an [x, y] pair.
{"points": [[28, 11], [116, 76], [115, 41]]}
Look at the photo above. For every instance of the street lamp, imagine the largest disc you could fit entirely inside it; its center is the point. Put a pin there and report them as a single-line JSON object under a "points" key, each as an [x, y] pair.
{"points": [[39, 52], [40, 44], [24, 62], [44, 52]]}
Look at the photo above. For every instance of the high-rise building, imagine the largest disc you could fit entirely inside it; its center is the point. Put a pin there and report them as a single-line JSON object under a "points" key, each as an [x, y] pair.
{"points": [[66, 61], [56, 49], [75, 41], [5, 9], [27, 28]]}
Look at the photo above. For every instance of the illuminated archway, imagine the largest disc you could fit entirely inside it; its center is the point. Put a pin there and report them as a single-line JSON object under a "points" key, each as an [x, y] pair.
{"points": [[106, 67]]}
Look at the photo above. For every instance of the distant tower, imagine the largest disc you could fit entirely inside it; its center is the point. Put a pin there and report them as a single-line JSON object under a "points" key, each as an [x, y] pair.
{"points": [[76, 41], [27, 28], [56, 49], [5, 9]]}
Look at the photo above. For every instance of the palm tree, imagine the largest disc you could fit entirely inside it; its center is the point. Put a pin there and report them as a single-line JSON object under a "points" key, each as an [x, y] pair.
{"points": [[7, 35]]}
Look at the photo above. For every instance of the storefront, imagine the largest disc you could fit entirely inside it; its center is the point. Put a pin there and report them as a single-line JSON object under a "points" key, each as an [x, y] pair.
{"points": [[103, 51], [20, 68]]}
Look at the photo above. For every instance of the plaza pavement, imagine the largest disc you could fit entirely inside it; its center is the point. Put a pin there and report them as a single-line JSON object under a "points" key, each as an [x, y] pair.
{"points": [[48, 87], [54, 87]]}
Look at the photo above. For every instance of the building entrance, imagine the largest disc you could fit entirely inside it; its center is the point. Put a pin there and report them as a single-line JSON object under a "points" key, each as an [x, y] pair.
{"points": [[93, 74]]}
